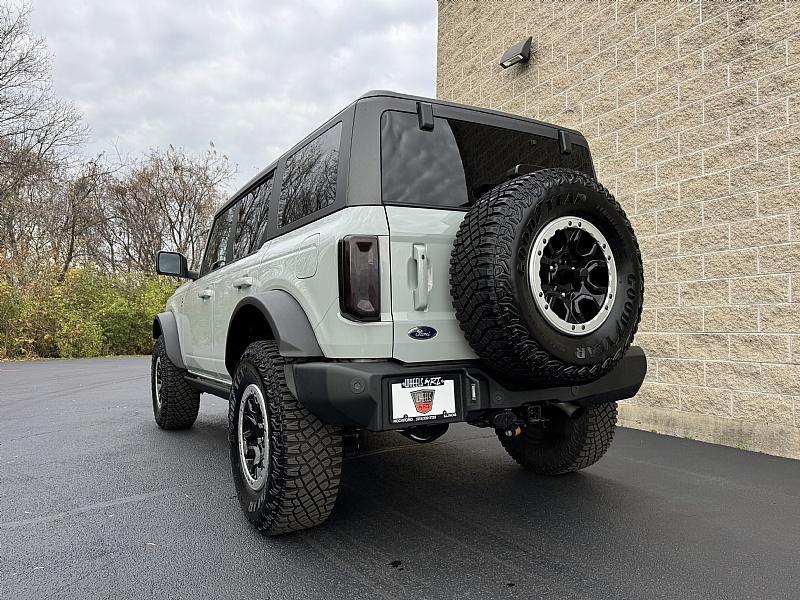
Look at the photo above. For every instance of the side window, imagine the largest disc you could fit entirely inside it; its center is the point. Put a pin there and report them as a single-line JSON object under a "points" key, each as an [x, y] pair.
{"points": [[252, 223], [309, 181], [217, 248]]}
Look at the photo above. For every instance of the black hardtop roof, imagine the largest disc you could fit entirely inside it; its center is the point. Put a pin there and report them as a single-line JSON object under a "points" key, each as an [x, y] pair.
{"points": [[390, 94], [386, 94]]}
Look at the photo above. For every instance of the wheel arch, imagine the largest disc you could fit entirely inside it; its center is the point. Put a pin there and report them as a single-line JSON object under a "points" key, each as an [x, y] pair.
{"points": [[166, 325], [271, 315]]}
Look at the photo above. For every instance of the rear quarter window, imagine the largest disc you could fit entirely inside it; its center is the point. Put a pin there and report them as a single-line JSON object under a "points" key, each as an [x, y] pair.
{"points": [[309, 178], [455, 163]]}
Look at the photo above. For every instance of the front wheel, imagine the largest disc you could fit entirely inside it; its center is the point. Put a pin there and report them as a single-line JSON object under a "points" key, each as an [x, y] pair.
{"points": [[175, 402], [286, 463], [561, 444]]}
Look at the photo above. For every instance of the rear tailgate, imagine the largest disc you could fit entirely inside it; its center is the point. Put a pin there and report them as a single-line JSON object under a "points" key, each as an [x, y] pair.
{"points": [[432, 169], [421, 240]]}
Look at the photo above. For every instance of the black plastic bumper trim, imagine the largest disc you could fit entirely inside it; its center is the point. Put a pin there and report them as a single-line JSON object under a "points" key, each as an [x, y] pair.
{"points": [[355, 394]]}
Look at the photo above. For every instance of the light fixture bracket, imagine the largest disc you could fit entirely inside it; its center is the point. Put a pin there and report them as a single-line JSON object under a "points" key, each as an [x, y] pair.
{"points": [[518, 53]]}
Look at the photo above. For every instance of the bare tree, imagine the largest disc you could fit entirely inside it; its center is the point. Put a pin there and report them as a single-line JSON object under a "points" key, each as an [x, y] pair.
{"points": [[29, 110], [165, 201], [38, 132], [58, 211]]}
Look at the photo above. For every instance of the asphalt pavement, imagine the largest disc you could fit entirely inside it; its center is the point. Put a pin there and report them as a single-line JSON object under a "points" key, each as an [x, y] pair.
{"points": [[97, 502]]}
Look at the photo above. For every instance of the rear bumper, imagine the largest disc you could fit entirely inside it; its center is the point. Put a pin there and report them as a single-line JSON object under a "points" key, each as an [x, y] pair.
{"points": [[356, 394]]}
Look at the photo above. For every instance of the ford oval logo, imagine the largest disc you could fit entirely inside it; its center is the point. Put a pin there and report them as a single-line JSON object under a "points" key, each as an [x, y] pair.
{"points": [[423, 332]]}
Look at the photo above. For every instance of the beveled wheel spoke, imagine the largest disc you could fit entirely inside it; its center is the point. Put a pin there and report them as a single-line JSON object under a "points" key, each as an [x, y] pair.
{"points": [[557, 245], [253, 426], [579, 306], [597, 277], [599, 294], [589, 246], [570, 316]]}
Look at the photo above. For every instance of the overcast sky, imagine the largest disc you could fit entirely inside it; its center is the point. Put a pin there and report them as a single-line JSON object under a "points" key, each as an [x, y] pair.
{"points": [[254, 77]]}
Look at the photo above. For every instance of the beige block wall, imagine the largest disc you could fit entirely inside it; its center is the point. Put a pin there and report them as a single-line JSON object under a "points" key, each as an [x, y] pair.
{"points": [[692, 112]]}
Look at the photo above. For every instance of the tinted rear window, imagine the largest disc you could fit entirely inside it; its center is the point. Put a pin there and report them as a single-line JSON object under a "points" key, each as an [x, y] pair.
{"points": [[309, 181], [458, 161]]}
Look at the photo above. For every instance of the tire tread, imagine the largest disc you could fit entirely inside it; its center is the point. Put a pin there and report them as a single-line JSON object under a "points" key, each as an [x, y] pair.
{"points": [[588, 441], [180, 402], [482, 287], [306, 464]]}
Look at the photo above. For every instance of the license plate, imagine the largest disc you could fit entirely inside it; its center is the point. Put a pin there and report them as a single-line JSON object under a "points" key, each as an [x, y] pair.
{"points": [[419, 399]]}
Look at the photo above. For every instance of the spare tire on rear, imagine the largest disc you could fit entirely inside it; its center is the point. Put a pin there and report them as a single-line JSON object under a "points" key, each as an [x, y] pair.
{"points": [[546, 278]]}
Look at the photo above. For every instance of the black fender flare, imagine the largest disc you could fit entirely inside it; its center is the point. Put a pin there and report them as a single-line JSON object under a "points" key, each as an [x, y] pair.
{"points": [[166, 325], [288, 321]]}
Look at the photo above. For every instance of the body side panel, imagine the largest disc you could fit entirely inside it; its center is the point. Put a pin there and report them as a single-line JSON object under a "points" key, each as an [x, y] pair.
{"points": [[286, 266], [227, 298]]}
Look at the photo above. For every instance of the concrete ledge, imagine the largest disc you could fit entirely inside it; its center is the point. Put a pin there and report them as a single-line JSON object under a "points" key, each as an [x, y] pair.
{"points": [[780, 440]]}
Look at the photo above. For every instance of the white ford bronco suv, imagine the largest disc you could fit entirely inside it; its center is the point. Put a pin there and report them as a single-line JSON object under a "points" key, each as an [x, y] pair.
{"points": [[410, 264]]}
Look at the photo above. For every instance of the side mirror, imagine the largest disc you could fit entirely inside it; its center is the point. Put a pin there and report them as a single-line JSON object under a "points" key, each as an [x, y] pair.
{"points": [[174, 264]]}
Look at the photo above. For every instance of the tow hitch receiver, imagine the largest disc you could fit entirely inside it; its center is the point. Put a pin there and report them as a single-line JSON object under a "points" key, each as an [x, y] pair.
{"points": [[534, 415]]}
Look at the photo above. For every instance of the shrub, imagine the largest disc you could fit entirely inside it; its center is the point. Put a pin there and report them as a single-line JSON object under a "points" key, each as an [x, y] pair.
{"points": [[88, 313]]}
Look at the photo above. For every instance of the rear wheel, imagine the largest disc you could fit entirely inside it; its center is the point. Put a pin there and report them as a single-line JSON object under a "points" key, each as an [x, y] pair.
{"points": [[562, 444], [286, 463], [175, 402]]}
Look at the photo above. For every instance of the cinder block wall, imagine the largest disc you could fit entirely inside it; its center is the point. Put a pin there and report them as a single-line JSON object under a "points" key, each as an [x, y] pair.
{"points": [[692, 114]]}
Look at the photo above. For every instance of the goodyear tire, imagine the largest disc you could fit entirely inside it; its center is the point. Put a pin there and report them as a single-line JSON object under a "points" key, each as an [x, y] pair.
{"points": [[286, 463], [546, 278], [564, 445], [175, 402]]}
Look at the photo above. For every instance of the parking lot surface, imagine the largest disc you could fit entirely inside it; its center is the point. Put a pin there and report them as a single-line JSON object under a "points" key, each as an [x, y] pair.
{"points": [[97, 502]]}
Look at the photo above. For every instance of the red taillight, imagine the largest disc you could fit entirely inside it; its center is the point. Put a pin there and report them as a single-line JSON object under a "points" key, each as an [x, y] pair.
{"points": [[360, 278]]}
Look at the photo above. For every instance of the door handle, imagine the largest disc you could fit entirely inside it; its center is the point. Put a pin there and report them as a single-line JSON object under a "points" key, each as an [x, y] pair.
{"points": [[420, 254], [204, 294], [242, 282]]}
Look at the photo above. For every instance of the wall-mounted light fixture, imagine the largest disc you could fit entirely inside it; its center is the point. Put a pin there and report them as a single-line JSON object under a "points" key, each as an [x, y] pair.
{"points": [[518, 53]]}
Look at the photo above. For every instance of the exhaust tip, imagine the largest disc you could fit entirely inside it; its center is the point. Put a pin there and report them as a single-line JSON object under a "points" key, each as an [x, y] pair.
{"points": [[571, 409], [424, 434]]}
